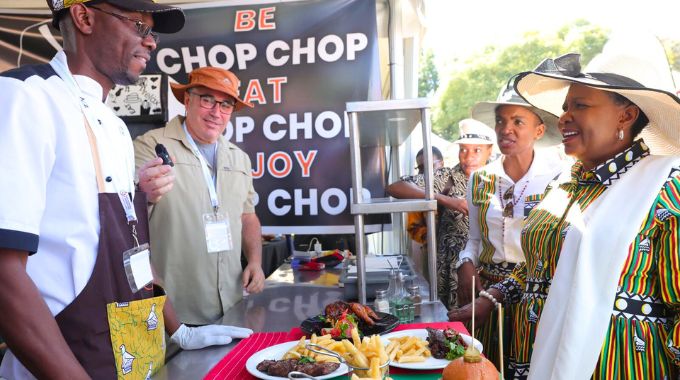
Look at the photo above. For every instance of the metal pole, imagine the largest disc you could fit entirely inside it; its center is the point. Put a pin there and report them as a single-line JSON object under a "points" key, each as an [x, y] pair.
{"points": [[355, 154], [396, 46], [398, 234], [429, 194]]}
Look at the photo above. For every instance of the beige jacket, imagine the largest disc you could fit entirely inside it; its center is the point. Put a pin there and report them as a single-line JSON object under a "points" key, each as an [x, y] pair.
{"points": [[201, 285]]}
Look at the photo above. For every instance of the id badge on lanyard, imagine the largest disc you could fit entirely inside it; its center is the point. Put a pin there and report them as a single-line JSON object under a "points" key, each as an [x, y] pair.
{"points": [[137, 261], [217, 232], [216, 223], [138, 267]]}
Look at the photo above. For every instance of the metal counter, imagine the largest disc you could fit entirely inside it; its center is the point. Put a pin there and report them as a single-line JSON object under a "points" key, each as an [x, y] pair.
{"points": [[289, 298]]}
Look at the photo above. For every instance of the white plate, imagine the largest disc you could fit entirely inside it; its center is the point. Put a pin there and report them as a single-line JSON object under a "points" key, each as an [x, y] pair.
{"points": [[276, 353], [429, 363]]}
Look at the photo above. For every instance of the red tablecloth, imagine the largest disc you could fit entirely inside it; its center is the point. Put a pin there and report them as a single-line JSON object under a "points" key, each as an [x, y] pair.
{"points": [[233, 365]]}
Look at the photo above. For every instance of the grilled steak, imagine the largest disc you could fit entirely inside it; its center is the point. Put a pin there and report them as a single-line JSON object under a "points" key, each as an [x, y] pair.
{"points": [[264, 365], [437, 340], [437, 343], [283, 367], [317, 369]]}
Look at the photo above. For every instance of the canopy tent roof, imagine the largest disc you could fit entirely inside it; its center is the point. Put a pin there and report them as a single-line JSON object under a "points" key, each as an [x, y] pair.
{"points": [[42, 4], [411, 28]]}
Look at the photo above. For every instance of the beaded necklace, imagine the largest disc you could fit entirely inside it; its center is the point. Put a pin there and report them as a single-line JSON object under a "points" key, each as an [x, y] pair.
{"points": [[512, 204]]}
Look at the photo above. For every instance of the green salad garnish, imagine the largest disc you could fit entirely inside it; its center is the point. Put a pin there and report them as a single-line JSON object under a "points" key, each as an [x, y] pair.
{"points": [[306, 359], [455, 350]]}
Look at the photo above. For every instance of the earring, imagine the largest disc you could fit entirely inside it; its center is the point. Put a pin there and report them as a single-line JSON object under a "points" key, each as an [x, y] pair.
{"points": [[620, 135]]}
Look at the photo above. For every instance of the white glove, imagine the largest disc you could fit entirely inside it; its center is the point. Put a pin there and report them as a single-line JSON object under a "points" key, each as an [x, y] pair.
{"points": [[193, 338]]}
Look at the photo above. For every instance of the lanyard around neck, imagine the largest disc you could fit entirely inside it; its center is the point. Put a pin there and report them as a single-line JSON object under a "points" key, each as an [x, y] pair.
{"points": [[74, 89], [207, 175]]}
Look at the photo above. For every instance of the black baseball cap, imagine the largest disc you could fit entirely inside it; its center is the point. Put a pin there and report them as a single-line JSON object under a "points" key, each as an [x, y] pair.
{"points": [[166, 18]]}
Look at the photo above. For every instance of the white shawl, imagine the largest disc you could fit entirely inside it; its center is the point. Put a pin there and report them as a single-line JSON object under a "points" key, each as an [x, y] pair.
{"points": [[576, 315]]}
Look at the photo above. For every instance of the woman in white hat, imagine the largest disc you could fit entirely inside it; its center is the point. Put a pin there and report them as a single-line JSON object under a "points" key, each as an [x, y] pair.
{"points": [[475, 147], [499, 196], [609, 309]]}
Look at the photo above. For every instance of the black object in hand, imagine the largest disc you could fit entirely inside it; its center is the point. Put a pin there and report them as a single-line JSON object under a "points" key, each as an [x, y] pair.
{"points": [[163, 153]]}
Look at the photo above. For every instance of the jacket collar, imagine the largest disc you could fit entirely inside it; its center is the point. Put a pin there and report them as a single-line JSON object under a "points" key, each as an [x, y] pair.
{"points": [[612, 169]]}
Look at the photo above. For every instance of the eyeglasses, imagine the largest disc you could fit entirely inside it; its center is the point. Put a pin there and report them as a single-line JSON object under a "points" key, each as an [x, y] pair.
{"points": [[142, 28], [209, 101], [509, 208]]}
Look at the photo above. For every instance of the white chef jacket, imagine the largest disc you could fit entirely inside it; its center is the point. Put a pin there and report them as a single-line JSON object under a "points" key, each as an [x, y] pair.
{"points": [[48, 189]]}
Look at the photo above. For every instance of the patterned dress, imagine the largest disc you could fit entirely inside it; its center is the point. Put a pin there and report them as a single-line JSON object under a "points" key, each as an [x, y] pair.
{"points": [[643, 339], [494, 242], [452, 229]]}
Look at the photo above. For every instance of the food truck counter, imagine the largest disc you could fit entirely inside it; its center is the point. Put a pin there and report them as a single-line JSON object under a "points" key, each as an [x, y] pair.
{"points": [[290, 296]]}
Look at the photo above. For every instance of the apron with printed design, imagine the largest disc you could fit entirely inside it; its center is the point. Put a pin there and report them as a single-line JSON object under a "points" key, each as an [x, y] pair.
{"points": [[113, 332]]}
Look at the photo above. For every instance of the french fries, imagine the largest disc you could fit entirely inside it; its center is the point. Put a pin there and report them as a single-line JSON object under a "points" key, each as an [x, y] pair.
{"points": [[367, 353], [408, 349], [325, 341], [355, 377]]}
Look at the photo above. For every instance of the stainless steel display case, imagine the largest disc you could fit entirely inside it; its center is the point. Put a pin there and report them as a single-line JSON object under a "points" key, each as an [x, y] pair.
{"points": [[389, 123]]}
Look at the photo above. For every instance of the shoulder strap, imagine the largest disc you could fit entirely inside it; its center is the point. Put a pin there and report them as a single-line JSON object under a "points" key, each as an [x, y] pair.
{"points": [[95, 156]]}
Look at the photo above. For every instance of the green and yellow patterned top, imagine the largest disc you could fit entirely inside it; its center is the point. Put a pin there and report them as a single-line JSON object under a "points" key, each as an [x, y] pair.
{"points": [[643, 340]]}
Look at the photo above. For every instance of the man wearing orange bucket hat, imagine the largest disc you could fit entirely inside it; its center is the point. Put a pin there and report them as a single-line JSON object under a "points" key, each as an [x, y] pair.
{"points": [[198, 229]]}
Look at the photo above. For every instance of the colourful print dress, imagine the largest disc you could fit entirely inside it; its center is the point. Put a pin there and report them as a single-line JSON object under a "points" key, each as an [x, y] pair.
{"points": [[452, 229], [643, 339], [497, 208]]}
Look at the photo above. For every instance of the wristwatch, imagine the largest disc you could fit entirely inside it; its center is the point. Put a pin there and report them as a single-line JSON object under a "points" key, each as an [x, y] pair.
{"points": [[463, 261]]}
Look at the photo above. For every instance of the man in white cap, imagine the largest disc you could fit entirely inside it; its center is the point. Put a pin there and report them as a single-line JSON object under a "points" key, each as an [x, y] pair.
{"points": [[450, 184]]}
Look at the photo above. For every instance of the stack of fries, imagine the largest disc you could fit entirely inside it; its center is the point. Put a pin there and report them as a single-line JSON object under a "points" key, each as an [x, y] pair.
{"points": [[408, 349], [325, 341], [368, 354]]}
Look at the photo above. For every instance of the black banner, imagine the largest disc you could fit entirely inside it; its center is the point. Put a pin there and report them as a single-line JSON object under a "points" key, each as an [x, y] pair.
{"points": [[299, 63]]}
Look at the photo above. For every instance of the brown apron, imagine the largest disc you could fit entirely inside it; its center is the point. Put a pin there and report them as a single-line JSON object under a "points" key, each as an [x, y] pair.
{"points": [[85, 322]]}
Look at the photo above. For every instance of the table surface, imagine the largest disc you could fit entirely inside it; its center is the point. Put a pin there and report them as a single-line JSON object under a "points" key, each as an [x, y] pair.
{"points": [[289, 297], [274, 253]]}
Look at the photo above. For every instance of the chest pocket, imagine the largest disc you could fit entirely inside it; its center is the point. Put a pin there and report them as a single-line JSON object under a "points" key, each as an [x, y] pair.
{"points": [[234, 182], [483, 188], [481, 194], [185, 158]]}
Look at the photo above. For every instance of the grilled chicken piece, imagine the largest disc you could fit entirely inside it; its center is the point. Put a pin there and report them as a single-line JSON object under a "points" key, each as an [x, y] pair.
{"points": [[371, 313], [336, 309], [361, 311]]}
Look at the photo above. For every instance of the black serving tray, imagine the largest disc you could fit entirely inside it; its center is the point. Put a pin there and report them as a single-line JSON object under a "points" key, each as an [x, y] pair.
{"points": [[385, 324]]}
